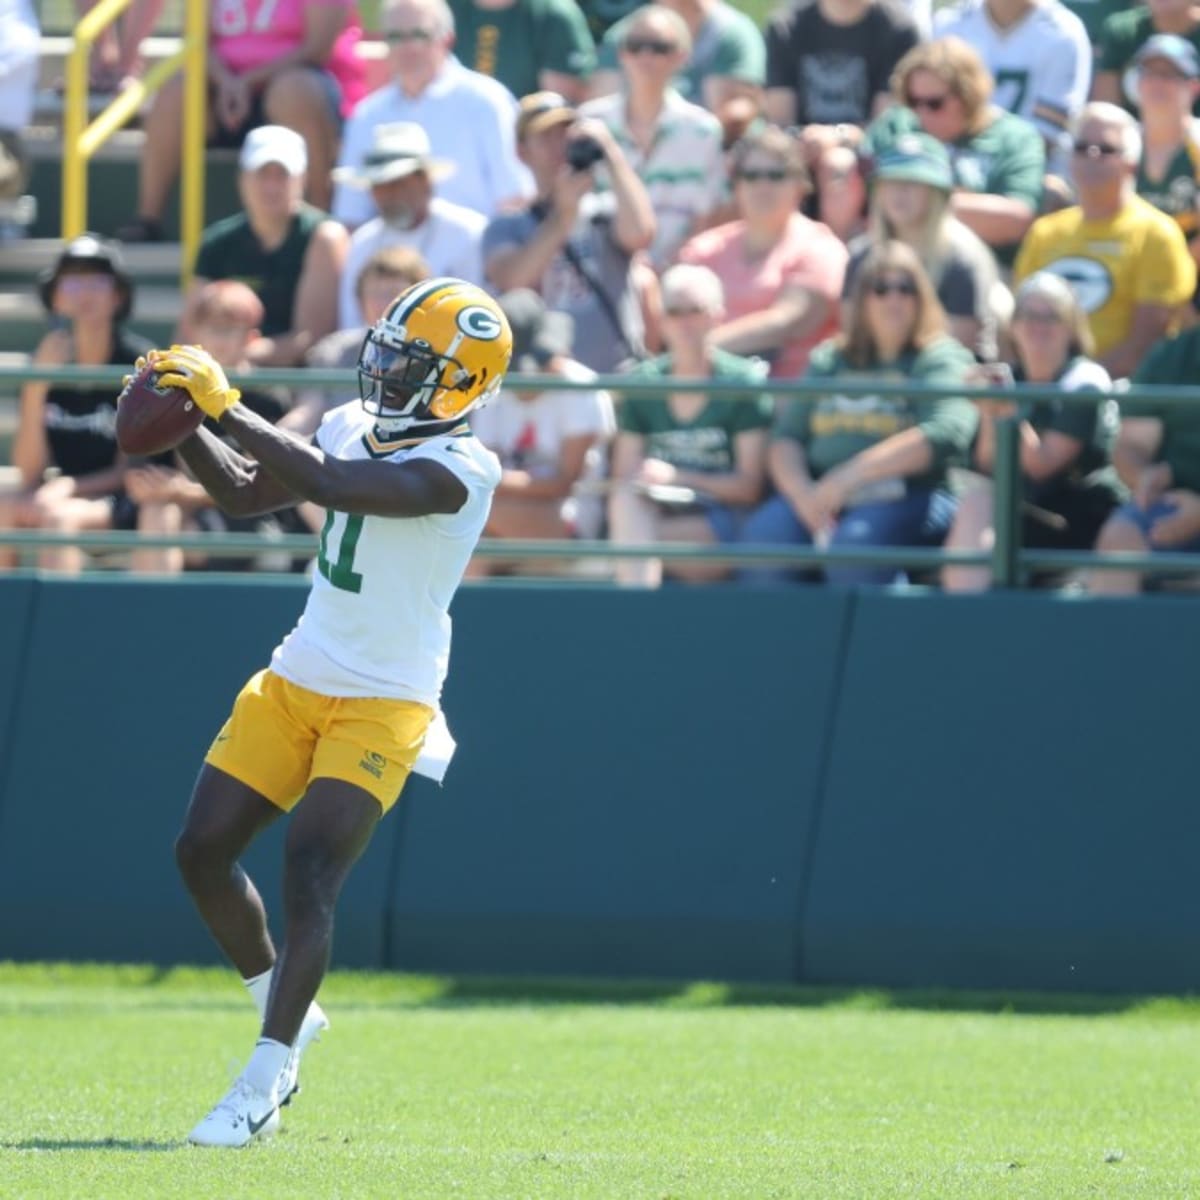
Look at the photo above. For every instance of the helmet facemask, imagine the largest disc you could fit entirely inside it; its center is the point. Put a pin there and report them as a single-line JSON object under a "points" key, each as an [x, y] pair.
{"points": [[401, 382]]}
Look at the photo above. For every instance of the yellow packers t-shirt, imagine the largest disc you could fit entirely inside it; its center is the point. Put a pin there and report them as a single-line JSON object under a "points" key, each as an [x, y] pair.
{"points": [[1140, 256]]}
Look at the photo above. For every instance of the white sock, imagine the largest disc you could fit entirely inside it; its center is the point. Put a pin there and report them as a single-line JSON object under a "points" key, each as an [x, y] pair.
{"points": [[259, 987], [266, 1063]]}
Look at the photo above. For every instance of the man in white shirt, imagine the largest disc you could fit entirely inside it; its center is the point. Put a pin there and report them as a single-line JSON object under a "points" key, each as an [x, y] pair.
{"points": [[468, 117], [1040, 56], [400, 172]]}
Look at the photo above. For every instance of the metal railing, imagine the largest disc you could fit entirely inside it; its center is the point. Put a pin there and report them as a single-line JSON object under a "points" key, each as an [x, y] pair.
{"points": [[81, 139], [1009, 561]]}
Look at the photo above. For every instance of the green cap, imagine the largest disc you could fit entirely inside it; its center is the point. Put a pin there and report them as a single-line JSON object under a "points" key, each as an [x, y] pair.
{"points": [[916, 158]]}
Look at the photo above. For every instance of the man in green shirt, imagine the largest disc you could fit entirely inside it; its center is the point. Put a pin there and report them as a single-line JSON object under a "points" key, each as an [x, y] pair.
{"points": [[1158, 456], [528, 45]]}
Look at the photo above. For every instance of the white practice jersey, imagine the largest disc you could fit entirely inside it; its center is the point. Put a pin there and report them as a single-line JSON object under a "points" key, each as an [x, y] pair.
{"points": [[1042, 65], [377, 621]]}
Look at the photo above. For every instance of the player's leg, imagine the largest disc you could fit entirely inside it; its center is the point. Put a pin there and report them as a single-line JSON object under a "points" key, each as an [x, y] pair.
{"points": [[360, 767], [329, 830], [224, 816], [253, 772]]}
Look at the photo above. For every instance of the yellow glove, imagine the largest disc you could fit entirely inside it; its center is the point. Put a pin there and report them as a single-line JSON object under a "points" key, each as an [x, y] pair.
{"points": [[200, 375]]}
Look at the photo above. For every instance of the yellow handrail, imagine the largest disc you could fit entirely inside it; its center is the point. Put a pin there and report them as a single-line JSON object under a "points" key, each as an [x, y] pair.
{"points": [[81, 140]]}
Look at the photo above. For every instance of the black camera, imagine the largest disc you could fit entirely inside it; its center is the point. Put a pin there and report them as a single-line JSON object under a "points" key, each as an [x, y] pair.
{"points": [[583, 153]]}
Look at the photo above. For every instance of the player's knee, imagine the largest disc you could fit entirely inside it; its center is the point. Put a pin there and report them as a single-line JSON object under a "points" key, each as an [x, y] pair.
{"points": [[313, 873], [197, 855]]}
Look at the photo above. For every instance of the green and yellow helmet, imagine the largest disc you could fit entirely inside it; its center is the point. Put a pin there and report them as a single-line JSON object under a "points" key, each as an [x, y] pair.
{"points": [[441, 348]]}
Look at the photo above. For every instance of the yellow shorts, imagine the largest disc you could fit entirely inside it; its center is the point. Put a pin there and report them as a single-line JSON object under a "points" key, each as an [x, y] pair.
{"points": [[280, 737]]}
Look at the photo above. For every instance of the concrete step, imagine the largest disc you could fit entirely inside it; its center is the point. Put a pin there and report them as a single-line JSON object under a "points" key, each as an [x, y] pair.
{"points": [[112, 180], [24, 261], [156, 312]]}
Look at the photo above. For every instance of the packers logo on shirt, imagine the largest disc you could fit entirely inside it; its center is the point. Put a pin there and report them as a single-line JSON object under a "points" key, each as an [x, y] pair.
{"points": [[1090, 280], [479, 322]]}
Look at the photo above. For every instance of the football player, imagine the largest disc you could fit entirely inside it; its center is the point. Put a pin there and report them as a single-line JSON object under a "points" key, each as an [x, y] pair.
{"points": [[331, 729]]}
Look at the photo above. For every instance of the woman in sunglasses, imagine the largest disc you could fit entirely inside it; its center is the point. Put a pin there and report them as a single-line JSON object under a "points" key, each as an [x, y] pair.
{"points": [[782, 272], [1069, 483], [998, 160], [871, 470]]}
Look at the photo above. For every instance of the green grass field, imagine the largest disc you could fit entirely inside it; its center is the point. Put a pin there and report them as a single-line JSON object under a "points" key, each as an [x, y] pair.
{"points": [[440, 1089]]}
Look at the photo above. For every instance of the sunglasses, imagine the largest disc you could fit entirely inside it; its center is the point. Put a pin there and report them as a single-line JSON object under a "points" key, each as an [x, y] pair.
{"points": [[85, 282], [886, 287], [932, 103], [767, 174], [683, 310], [1095, 149], [1037, 316], [636, 45], [397, 37]]}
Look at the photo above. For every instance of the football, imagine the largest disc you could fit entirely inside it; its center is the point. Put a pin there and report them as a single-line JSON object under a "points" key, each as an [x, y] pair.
{"points": [[152, 419]]}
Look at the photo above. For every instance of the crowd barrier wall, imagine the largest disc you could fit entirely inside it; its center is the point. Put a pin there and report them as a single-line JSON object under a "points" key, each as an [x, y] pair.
{"points": [[808, 785]]}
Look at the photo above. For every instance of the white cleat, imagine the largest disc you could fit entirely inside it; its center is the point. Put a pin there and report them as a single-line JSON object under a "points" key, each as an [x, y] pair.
{"points": [[243, 1116], [315, 1023]]}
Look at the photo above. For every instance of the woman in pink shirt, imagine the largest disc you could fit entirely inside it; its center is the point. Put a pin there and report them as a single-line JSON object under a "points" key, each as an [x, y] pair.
{"points": [[279, 62], [782, 272]]}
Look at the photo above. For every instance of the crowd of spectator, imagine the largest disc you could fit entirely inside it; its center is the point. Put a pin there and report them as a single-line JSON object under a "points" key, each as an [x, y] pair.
{"points": [[862, 190]]}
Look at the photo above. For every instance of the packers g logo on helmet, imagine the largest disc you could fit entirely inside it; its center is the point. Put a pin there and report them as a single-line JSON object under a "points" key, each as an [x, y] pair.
{"points": [[441, 348]]}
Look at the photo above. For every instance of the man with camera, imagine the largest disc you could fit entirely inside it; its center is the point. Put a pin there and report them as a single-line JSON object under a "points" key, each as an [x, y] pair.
{"points": [[574, 245]]}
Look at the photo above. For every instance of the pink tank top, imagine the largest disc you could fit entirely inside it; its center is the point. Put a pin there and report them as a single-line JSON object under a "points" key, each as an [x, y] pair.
{"points": [[246, 34]]}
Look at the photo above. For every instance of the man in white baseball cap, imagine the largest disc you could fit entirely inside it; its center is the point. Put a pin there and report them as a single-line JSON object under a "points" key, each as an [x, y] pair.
{"points": [[400, 170]]}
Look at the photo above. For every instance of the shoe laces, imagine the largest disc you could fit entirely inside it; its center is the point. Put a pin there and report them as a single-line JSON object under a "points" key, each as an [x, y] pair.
{"points": [[238, 1099]]}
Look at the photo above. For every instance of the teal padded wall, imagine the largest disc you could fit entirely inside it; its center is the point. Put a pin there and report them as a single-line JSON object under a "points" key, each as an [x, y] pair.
{"points": [[635, 785], [865, 788], [16, 613], [125, 685], [1012, 797]]}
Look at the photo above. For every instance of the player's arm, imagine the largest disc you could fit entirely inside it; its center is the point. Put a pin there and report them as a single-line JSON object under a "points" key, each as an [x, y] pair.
{"points": [[364, 487], [239, 486]]}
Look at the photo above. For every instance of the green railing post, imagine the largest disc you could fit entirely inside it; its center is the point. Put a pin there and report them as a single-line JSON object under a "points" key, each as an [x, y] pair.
{"points": [[1006, 498]]}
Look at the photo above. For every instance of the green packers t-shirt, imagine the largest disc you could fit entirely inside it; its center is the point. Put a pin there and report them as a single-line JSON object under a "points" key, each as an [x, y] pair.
{"points": [[1177, 193], [1092, 425], [1173, 361], [514, 44], [706, 442], [833, 428], [230, 250]]}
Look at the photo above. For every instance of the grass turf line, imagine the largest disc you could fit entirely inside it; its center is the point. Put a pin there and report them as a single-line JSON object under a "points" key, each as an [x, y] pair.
{"points": [[449, 1088]]}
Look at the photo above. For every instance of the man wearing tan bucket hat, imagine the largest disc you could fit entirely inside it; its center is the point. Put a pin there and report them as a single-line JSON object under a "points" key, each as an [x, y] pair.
{"points": [[401, 171]]}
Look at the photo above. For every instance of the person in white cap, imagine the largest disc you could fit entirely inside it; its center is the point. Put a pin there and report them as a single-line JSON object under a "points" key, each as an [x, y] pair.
{"points": [[289, 253], [468, 116], [400, 171]]}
